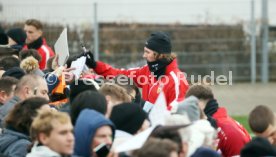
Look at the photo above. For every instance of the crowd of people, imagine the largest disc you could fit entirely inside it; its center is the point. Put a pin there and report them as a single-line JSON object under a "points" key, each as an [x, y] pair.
{"points": [[47, 111]]}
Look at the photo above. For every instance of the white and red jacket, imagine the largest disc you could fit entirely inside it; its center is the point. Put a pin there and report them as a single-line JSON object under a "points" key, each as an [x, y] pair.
{"points": [[173, 83], [45, 52], [232, 135]]}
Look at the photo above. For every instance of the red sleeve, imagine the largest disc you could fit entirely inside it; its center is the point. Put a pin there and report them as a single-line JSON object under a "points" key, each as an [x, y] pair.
{"points": [[109, 72], [42, 63]]}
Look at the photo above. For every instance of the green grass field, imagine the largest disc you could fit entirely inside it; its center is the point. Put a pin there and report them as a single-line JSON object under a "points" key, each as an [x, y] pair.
{"points": [[243, 121]]}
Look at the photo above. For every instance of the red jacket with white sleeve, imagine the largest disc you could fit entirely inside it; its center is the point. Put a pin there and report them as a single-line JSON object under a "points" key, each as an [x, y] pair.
{"points": [[173, 83]]}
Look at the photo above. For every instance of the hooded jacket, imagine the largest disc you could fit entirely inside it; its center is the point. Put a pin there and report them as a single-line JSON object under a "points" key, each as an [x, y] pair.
{"points": [[86, 126], [14, 143], [174, 84]]}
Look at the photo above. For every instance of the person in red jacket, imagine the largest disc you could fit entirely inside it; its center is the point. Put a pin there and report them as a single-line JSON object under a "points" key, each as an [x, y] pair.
{"points": [[232, 136], [33, 29], [161, 74]]}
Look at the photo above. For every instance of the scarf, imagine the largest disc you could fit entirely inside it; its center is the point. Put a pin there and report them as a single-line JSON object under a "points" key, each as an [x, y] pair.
{"points": [[36, 44], [210, 109], [158, 67]]}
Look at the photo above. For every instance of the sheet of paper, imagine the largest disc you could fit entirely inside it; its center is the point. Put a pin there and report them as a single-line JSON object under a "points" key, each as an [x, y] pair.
{"points": [[159, 112], [79, 64], [61, 48], [136, 142], [147, 106]]}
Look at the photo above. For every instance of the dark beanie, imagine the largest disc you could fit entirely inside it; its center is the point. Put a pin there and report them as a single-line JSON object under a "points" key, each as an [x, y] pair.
{"points": [[15, 72], [128, 117], [3, 37], [159, 42], [18, 35], [79, 86], [259, 146]]}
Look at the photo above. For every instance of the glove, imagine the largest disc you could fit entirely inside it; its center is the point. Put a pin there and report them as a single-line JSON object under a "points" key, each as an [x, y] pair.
{"points": [[90, 61]]}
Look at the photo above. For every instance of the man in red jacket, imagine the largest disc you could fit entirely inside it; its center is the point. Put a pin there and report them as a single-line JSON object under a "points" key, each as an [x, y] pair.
{"points": [[161, 74], [231, 135], [33, 29]]}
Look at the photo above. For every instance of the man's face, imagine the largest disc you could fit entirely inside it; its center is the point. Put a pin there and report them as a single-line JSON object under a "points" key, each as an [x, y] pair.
{"points": [[32, 33], [4, 97], [149, 55], [42, 89], [102, 135], [269, 133], [61, 138]]}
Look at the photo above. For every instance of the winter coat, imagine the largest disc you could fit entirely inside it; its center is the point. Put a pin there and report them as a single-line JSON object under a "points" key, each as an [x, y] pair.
{"points": [[13, 143], [173, 83], [86, 126]]}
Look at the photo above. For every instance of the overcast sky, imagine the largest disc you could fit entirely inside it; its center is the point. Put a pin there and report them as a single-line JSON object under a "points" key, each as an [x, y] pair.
{"points": [[147, 11]]}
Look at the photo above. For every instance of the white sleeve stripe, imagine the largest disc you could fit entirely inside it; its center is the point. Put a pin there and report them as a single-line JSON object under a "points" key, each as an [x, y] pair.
{"points": [[176, 85], [46, 51]]}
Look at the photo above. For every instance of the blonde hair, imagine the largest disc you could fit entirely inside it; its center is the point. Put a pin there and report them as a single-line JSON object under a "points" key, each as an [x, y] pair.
{"points": [[169, 57], [115, 91], [44, 122], [29, 64]]}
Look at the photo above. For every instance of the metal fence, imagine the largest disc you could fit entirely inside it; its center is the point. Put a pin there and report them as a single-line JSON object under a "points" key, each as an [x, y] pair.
{"points": [[196, 28]]}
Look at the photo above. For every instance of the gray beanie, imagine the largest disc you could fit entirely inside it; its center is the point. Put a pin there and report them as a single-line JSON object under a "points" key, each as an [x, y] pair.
{"points": [[189, 107]]}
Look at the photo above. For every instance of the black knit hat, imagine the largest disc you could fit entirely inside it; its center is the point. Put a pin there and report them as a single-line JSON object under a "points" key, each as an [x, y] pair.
{"points": [[159, 42], [3, 37], [80, 86], [15, 72], [128, 117], [259, 146], [18, 35]]}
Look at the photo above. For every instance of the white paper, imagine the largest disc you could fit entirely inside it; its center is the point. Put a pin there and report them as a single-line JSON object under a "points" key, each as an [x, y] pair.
{"points": [[78, 65], [136, 142], [61, 48], [159, 112], [147, 106]]}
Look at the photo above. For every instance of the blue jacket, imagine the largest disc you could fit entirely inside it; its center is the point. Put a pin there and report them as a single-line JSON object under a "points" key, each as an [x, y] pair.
{"points": [[14, 144], [86, 126]]}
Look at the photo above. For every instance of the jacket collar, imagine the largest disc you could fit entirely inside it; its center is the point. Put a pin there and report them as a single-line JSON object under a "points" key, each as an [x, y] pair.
{"points": [[171, 66], [36, 44], [221, 113], [42, 151], [15, 133]]}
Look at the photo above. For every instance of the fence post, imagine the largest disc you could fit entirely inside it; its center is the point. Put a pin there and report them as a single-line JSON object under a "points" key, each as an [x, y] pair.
{"points": [[96, 34], [253, 43], [265, 34]]}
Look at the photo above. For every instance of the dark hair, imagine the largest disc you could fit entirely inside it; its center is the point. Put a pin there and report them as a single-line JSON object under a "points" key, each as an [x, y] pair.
{"points": [[9, 62], [88, 99], [29, 52], [155, 147], [33, 22], [80, 86], [169, 132], [260, 118], [71, 59], [21, 116], [201, 92], [6, 84], [49, 64]]}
